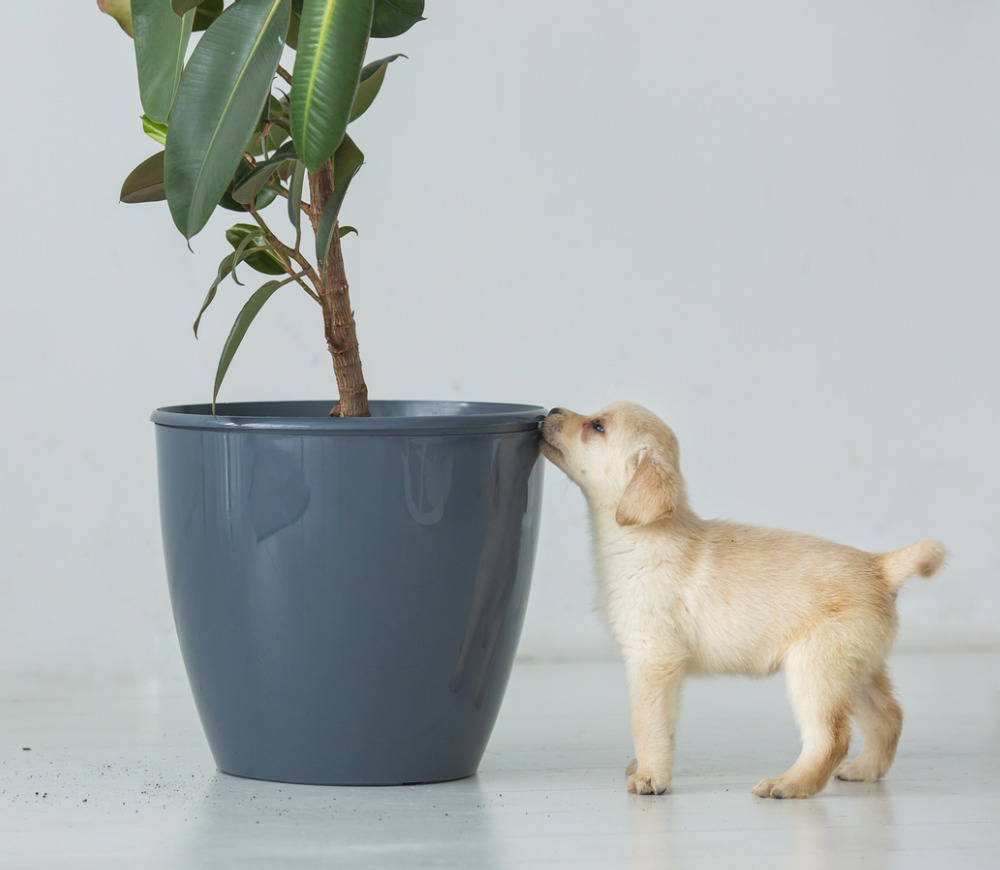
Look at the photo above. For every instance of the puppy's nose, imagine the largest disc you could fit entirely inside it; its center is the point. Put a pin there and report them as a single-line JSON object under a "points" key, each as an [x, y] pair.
{"points": [[555, 411]]}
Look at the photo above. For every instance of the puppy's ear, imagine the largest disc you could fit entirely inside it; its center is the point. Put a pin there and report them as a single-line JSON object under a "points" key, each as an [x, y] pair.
{"points": [[650, 495]]}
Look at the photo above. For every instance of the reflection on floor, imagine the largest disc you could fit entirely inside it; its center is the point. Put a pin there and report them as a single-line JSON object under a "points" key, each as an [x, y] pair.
{"points": [[121, 777]]}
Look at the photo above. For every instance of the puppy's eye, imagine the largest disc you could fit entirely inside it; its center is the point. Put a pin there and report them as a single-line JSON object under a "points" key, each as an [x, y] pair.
{"points": [[597, 426]]}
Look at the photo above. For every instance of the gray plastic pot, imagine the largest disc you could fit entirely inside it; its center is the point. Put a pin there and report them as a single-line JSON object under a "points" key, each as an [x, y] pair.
{"points": [[349, 594]]}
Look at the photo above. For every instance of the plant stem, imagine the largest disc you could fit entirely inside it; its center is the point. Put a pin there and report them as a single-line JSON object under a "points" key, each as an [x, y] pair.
{"points": [[286, 255], [338, 318]]}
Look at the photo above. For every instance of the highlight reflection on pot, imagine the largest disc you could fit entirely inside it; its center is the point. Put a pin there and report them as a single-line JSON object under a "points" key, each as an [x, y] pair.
{"points": [[427, 471]]}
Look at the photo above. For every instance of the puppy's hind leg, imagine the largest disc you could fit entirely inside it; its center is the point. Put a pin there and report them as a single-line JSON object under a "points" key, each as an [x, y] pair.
{"points": [[821, 686], [881, 720], [654, 697]]}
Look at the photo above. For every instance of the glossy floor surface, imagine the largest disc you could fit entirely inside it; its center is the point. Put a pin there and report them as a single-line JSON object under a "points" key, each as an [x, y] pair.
{"points": [[120, 777]]}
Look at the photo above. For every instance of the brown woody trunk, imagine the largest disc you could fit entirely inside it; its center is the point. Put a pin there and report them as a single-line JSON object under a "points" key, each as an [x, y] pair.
{"points": [[338, 318]]}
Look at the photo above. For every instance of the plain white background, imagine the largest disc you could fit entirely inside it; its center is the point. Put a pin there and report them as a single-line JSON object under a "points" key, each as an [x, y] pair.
{"points": [[774, 223]]}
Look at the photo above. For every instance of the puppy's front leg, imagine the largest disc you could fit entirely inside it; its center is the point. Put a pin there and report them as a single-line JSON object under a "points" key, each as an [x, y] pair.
{"points": [[654, 697]]}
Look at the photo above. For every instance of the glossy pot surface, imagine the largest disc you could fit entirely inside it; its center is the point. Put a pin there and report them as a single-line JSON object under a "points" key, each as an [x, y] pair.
{"points": [[349, 594]]}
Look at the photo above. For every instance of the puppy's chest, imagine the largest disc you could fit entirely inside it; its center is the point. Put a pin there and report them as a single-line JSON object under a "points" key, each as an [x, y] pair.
{"points": [[640, 596]]}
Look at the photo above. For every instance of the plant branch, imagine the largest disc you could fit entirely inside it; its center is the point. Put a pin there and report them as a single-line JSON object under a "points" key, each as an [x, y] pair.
{"points": [[286, 255]]}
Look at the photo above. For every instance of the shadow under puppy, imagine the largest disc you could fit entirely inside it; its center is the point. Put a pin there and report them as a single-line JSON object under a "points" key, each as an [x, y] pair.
{"points": [[686, 596]]}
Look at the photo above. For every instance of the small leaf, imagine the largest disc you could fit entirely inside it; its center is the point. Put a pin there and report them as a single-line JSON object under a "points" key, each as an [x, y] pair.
{"points": [[264, 197], [243, 237], [246, 190], [161, 40], [343, 231], [275, 120], [120, 10], [145, 182], [346, 162], [239, 330], [219, 102], [331, 49], [393, 17], [225, 267], [372, 76], [156, 132], [251, 186], [182, 6], [295, 194]]}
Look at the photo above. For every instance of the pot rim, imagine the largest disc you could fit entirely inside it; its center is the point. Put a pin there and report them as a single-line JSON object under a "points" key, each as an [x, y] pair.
{"points": [[400, 417]]}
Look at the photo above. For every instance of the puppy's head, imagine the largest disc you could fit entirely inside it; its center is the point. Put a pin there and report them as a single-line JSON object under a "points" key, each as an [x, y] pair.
{"points": [[624, 458]]}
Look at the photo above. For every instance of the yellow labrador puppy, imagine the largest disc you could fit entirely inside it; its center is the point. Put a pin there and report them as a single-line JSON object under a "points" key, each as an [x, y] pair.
{"points": [[683, 595]]}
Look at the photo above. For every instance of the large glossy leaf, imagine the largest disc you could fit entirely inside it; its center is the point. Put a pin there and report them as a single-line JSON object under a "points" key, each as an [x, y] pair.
{"points": [[182, 6], [145, 182], [370, 83], [346, 163], [393, 17], [219, 103], [331, 50], [240, 327], [161, 39]]}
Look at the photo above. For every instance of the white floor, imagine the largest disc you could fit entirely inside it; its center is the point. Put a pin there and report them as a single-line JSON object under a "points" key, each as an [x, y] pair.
{"points": [[107, 778]]}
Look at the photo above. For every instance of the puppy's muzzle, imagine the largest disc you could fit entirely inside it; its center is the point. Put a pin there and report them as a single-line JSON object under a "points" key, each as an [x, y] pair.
{"points": [[551, 426]]}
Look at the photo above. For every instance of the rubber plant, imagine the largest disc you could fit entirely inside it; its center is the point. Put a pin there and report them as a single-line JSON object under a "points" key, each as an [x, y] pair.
{"points": [[240, 131]]}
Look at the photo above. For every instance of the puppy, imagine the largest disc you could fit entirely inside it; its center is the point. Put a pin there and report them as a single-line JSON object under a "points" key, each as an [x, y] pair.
{"points": [[683, 596]]}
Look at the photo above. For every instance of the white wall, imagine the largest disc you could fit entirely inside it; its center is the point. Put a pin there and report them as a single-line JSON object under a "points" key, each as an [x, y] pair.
{"points": [[774, 223]]}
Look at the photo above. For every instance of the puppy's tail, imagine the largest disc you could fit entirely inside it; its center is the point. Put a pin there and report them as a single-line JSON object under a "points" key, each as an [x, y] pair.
{"points": [[923, 558]]}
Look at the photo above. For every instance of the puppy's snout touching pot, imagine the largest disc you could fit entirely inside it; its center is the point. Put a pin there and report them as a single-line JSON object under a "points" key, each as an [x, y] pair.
{"points": [[553, 420]]}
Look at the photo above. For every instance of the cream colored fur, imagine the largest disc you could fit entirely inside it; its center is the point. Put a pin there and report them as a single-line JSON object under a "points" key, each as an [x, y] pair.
{"points": [[685, 596]]}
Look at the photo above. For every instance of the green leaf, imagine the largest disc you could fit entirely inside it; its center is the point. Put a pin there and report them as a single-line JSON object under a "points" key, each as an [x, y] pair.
{"points": [[346, 162], [182, 6], [145, 182], [295, 194], [264, 198], [225, 267], [240, 327], [156, 132], [343, 231], [331, 49], [246, 190], [293, 27], [393, 17], [370, 83], [120, 10], [275, 120], [219, 103], [205, 13], [161, 40], [243, 237]]}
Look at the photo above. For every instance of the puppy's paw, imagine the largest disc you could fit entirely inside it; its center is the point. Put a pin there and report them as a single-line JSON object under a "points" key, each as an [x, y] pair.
{"points": [[858, 771], [642, 781], [780, 787]]}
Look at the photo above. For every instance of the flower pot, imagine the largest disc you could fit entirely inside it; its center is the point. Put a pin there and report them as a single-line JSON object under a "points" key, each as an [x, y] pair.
{"points": [[349, 594]]}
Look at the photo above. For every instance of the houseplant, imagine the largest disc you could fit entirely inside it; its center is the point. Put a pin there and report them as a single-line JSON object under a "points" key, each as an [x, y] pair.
{"points": [[349, 584]]}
